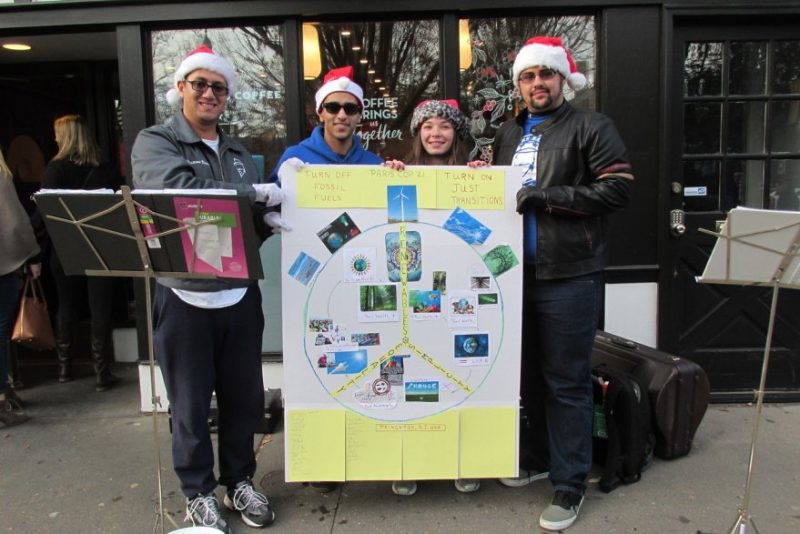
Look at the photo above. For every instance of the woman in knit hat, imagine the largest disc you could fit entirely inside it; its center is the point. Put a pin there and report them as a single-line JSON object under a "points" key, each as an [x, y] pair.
{"points": [[440, 131]]}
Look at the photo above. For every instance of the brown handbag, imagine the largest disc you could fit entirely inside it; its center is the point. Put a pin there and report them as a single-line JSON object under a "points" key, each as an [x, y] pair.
{"points": [[33, 328]]}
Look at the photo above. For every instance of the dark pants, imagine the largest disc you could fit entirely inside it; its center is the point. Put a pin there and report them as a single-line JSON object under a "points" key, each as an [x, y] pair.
{"points": [[201, 351], [559, 322], [72, 292], [9, 302]]}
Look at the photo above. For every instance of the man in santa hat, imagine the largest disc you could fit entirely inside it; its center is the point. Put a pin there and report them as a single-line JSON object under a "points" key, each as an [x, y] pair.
{"points": [[576, 173], [339, 104], [207, 333]]}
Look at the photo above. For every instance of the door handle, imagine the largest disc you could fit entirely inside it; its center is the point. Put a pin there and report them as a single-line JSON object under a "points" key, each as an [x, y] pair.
{"points": [[677, 222]]}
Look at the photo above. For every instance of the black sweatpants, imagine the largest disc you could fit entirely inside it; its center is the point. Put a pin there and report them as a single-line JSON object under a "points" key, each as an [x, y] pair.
{"points": [[200, 351]]}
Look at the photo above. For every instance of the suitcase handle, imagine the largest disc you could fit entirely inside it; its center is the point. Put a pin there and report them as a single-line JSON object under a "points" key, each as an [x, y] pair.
{"points": [[622, 342]]}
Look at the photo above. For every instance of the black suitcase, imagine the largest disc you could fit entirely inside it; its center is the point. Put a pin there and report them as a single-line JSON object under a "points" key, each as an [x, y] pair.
{"points": [[678, 389]]}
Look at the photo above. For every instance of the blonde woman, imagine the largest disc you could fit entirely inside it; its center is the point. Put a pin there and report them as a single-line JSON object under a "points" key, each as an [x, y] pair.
{"points": [[77, 165], [20, 250]]}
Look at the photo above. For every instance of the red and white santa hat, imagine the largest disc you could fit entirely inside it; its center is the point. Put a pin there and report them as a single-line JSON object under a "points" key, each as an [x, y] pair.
{"points": [[339, 80], [550, 52], [201, 57]]}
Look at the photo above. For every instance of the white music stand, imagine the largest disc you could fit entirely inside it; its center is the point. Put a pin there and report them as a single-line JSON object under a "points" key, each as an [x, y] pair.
{"points": [[756, 248]]}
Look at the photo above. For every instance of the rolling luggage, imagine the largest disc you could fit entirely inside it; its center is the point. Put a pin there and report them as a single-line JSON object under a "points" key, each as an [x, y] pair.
{"points": [[678, 389]]}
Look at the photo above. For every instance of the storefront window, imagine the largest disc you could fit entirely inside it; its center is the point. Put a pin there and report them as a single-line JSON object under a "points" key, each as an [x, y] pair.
{"points": [[256, 112], [487, 55], [395, 62]]}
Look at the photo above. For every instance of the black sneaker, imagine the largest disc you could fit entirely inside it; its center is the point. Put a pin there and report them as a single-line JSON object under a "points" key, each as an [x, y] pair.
{"points": [[563, 511], [254, 506], [203, 511]]}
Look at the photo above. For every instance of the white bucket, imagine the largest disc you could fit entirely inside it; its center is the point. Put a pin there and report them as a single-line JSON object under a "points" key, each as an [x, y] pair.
{"points": [[195, 530]]}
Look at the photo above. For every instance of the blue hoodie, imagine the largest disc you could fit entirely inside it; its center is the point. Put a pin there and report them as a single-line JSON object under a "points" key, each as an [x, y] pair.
{"points": [[316, 150]]}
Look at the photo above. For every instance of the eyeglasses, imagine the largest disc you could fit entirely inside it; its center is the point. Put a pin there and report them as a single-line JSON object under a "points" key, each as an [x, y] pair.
{"points": [[349, 108], [219, 89], [545, 75]]}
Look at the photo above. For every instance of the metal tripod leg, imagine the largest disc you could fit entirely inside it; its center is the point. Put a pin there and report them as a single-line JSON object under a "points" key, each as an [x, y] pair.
{"points": [[744, 522]]}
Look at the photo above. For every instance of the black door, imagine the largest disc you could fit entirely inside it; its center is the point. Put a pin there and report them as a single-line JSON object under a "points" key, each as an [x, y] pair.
{"points": [[734, 140]]}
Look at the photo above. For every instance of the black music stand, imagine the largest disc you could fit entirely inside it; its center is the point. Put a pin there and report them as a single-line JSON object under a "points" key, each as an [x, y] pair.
{"points": [[756, 248], [101, 234]]}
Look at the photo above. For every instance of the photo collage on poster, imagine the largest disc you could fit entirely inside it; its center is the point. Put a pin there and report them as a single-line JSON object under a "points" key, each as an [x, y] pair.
{"points": [[395, 324]]}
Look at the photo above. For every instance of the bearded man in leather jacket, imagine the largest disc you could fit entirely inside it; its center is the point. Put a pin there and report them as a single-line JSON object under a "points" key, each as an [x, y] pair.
{"points": [[576, 173]]}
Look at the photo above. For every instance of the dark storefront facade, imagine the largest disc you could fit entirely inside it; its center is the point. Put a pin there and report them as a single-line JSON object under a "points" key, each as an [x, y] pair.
{"points": [[705, 93]]}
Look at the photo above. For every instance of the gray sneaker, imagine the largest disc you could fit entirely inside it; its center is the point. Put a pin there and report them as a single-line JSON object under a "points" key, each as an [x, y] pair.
{"points": [[526, 476], [563, 511], [404, 488], [203, 511], [253, 505], [467, 485]]}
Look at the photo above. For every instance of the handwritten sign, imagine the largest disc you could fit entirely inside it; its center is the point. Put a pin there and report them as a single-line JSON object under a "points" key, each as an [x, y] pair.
{"points": [[365, 187]]}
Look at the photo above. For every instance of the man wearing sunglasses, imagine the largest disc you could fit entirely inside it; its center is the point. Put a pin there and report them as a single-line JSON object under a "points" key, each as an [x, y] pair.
{"points": [[576, 173], [339, 102], [207, 333]]}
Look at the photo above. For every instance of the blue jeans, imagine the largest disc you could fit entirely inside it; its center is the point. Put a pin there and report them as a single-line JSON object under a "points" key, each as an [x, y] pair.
{"points": [[559, 321], [9, 300]]}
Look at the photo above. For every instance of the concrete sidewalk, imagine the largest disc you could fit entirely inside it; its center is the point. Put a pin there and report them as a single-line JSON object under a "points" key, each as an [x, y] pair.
{"points": [[85, 463]]}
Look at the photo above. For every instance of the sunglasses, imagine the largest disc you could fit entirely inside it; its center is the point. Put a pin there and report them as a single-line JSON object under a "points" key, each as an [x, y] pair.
{"points": [[349, 108], [545, 75], [219, 89]]}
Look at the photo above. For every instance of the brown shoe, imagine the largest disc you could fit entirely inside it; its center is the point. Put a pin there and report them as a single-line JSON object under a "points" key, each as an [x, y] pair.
{"points": [[13, 398], [9, 416]]}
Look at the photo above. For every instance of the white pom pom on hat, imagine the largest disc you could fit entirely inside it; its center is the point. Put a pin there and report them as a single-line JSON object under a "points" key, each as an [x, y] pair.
{"points": [[201, 57], [339, 80], [550, 52]]}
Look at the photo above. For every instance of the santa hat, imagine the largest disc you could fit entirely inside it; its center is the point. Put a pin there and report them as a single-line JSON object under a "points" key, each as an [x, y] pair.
{"points": [[201, 57], [339, 80], [446, 109], [548, 52]]}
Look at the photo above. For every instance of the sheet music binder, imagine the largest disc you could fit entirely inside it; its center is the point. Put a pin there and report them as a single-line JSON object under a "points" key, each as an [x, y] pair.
{"points": [[76, 245], [93, 232]]}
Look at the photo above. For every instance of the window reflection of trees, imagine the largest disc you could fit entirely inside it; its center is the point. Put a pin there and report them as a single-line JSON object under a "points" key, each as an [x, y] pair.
{"points": [[487, 90], [703, 69], [256, 112], [394, 60]]}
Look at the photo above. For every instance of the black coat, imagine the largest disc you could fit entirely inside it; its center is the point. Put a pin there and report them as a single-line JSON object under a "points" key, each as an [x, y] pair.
{"points": [[580, 161]]}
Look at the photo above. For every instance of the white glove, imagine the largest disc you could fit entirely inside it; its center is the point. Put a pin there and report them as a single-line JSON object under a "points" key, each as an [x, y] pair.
{"points": [[269, 193], [274, 221], [294, 164]]}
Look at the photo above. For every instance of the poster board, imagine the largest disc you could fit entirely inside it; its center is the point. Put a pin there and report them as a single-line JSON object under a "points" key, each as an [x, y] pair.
{"points": [[401, 366]]}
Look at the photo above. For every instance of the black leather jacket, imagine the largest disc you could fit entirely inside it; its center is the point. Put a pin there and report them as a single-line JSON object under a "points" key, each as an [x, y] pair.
{"points": [[580, 159]]}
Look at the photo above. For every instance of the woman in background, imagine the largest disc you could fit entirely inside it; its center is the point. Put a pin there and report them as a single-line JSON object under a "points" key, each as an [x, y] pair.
{"points": [[20, 250], [439, 131], [77, 165]]}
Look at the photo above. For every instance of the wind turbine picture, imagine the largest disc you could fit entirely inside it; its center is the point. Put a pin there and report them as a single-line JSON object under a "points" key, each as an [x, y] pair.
{"points": [[402, 197], [402, 203]]}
